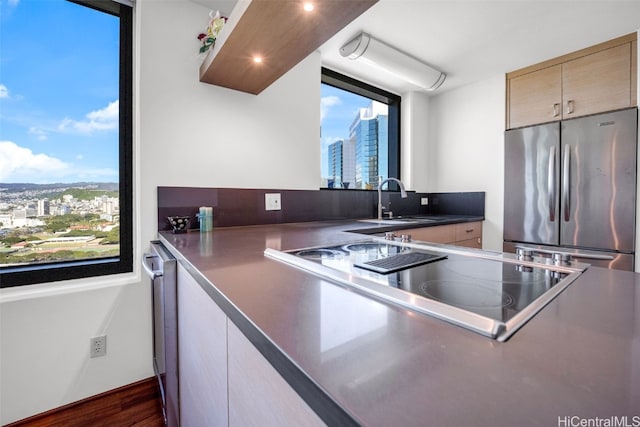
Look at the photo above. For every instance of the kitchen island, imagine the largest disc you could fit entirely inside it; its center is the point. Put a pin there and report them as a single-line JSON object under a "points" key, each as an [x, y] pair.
{"points": [[358, 361]]}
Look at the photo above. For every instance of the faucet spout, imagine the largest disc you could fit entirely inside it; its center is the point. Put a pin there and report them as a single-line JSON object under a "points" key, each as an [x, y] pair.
{"points": [[403, 192]]}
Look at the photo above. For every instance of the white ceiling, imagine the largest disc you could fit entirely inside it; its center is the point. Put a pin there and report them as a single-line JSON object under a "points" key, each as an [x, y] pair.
{"points": [[471, 40]]}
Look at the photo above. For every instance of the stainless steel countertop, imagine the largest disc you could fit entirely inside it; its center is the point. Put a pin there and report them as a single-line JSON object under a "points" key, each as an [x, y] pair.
{"points": [[380, 365]]}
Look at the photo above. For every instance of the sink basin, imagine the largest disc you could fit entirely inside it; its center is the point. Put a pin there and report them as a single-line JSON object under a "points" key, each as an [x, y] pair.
{"points": [[424, 218], [391, 221], [408, 219]]}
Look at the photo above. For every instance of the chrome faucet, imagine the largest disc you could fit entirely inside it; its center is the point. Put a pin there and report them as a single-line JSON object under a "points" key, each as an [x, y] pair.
{"points": [[403, 192]]}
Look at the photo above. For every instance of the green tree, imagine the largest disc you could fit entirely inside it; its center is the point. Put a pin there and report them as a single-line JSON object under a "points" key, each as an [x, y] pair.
{"points": [[112, 237]]}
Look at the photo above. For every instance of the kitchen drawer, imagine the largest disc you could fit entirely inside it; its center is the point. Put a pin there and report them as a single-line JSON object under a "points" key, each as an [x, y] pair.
{"points": [[435, 234], [468, 230]]}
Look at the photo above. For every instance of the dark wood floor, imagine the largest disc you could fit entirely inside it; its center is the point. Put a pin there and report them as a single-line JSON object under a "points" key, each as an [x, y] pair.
{"points": [[136, 405]]}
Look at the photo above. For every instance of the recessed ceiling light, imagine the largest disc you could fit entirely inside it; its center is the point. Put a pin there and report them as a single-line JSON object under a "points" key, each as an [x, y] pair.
{"points": [[257, 59], [308, 6]]}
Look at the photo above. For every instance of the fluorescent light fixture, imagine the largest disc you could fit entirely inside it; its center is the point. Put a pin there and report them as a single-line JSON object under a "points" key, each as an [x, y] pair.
{"points": [[378, 54]]}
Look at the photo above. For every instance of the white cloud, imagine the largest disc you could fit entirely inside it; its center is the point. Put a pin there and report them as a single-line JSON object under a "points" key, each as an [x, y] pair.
{"points": [[17, 163], [38, 132], [4, 91], [20, 164], [326, 102], [99, 120]]}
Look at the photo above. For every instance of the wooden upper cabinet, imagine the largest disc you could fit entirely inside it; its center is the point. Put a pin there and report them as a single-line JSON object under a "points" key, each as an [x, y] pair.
{"points": [[593, 80], [597, 82], [536, 97], [278, 32]]}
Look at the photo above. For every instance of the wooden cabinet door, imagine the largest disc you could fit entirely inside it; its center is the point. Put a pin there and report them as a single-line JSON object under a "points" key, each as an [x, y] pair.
{"points": [[597, 82], [202, 355], [258, 395], [535, 97]]}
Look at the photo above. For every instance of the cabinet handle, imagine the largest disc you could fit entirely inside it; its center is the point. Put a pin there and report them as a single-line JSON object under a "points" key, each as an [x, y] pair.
{"points": [[556, 110], [469, 230], [570, 106]]}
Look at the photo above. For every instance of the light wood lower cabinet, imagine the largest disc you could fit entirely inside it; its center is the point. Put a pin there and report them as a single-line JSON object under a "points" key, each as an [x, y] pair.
{"points": [[224, 380], [258, 395], [202, 355], [468, 234]]}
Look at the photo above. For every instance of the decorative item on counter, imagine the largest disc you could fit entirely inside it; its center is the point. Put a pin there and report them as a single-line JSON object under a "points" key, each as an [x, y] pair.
{"points": [[180, 224], [206, 218], [208, 38]]}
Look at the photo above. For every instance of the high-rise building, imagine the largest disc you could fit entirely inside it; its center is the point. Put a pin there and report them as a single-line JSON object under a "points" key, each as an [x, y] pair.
{"points": [[349, 163], [335, 162], [369, 131], [43, 207], [341, 158]]}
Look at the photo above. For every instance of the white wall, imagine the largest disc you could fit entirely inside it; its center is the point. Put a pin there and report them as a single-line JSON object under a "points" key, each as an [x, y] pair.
{"points": [[187, 134], [224, 138], [465, 149], [415, 141]]}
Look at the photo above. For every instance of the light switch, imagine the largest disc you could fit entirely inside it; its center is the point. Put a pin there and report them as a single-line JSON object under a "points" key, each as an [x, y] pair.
{"points": [[424, 201]]}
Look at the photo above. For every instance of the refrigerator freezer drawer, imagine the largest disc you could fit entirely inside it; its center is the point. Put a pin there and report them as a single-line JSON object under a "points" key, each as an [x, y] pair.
{"points": [[618, 261]]}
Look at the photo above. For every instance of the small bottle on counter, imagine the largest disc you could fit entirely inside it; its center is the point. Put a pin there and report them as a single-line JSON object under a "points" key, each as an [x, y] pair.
{"points": [[206, 218]]}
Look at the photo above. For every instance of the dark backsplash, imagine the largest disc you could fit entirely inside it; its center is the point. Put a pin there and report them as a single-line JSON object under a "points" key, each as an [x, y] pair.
{"points": [[242, 206]]}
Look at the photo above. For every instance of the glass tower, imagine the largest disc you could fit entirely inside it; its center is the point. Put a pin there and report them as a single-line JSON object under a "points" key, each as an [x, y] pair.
{"points": [[335, 159], [369, 131]]}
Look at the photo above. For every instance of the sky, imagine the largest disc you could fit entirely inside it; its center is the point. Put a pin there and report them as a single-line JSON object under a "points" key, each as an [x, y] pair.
{"points": [[58, 93]]}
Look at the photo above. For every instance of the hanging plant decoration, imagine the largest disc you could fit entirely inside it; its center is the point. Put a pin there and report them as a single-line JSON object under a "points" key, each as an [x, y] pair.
{"points": [[208, 38]]}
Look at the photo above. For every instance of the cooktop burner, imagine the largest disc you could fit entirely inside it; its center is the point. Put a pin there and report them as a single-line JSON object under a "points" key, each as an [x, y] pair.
{"points": [[320, 253], [463, 294]]}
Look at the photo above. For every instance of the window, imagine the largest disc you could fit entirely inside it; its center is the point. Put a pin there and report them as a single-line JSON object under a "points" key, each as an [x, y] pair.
{"points": [[360, 133], [65, 140]]}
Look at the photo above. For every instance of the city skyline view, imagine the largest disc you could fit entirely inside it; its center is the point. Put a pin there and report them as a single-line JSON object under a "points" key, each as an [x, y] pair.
{"points": [[58, 92], [59, 133], [354, 139]]}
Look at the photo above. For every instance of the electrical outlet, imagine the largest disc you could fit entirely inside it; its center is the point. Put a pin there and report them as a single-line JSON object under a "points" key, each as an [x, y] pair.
{"points": [[272, 201], [98, 346], [424, 201]]}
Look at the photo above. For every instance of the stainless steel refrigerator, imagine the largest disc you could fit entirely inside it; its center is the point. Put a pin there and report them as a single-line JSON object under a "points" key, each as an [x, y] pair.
{"points": [[571, 186]]}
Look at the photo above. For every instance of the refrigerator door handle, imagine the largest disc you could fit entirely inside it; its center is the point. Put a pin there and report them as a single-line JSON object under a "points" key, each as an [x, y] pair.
{"points": [[551, 184], [566, 183]]}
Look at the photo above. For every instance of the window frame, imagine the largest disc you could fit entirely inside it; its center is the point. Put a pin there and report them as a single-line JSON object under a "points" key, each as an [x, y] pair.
{"points": [[79, 269], [393, 101]]}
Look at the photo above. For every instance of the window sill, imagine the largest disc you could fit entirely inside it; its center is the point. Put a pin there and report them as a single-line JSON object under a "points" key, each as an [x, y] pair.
{"points": [[44, 290]]}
